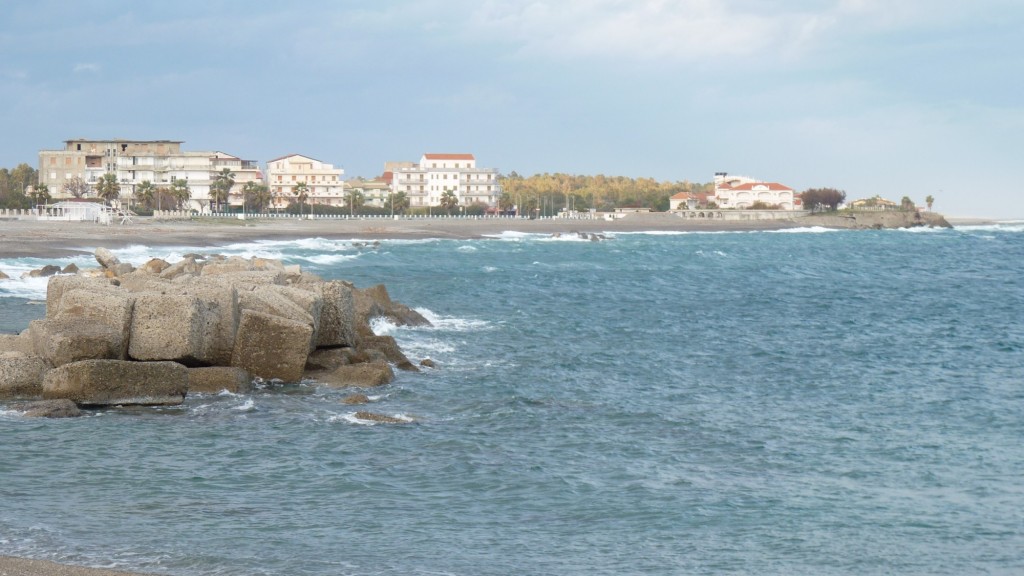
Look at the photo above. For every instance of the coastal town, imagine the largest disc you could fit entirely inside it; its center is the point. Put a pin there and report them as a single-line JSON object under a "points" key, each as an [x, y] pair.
{"points": [[117, 179]]}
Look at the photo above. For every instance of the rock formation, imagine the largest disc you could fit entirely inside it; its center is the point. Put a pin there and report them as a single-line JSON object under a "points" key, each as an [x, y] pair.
{"points": [[148, 336]]}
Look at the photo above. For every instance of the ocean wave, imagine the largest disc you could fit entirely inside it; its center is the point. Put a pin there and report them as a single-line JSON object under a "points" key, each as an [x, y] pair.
{"points": [[804, 230], [452, 323], [1008, 226], [351, 418]]}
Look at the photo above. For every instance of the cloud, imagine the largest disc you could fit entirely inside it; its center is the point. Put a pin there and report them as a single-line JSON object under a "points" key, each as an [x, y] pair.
{"points": [[86, 68]]}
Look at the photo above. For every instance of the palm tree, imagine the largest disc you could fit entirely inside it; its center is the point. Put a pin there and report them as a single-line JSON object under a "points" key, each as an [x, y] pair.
{"points": [[256, 196], [301, 191], [144, 193], [108, 188], [220, 189], [449, 201], [929, 200], [399, 202], [40, 194], [180, 192], [355, 200]]}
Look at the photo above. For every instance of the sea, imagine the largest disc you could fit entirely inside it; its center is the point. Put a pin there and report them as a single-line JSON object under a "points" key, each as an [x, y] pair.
{"points": [[792, 402]]}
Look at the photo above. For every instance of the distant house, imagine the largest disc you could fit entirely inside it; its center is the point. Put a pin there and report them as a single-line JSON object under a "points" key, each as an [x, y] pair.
{"points": [[742, 192], [876, 203], [687, 201]]}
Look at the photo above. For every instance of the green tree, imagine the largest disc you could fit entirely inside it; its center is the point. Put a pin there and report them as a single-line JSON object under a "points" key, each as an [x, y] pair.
{"points": [[145, 193], [398, 202], [301, 192], [907, 204], [355, 200], [179, 192], [449, 201], [256, 196], [929, 200], [816, 199], [220, 189], [75, 187], [40, 194], [108, 188]]}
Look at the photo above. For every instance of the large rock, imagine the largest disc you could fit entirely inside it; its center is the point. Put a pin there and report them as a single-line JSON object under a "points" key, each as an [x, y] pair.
{"points": [[214, 379], [359, 375], [170, 327], [219, 302], [118, 382], [4, 276], [59, 285], [110, 307], [271, 300], [17, 343], [106, 258], [374, 302], [387, 346], [337, 315], [21, 375], [271, 347], [62, 408], [184, 267], [64, 340], [227, 265]]}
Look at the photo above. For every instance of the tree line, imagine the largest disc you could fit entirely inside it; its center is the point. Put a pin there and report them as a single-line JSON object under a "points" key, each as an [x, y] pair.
{"points": [[550, 193]]}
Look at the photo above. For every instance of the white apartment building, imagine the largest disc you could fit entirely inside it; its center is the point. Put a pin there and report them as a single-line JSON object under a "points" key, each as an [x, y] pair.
{"points": [[742, 192], [425, 182], [322, 180], [159, 162]]}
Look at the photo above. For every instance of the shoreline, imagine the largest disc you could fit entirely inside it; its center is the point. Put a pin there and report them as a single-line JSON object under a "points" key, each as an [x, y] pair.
{"points": [[49, 239]]}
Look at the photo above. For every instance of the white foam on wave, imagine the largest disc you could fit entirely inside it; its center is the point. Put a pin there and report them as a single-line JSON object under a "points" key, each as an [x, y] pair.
{"points": [[1008, 226], [513, 236], [803, 230], [451, 323], [248, 406], [351, 418], [381, 326], [466, 248], [27, 288], [489, 269]]}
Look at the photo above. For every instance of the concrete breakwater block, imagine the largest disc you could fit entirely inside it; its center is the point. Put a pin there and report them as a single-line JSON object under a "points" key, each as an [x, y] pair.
{"points": [[118, 382]]}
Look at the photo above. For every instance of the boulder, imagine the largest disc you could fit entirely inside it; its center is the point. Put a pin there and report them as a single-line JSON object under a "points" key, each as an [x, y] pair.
{"points": [[110, 307], [118, 382], [170, 327], [382, 418], [64, 340], [106, 258], [62, 408], [352, 399], [21, 375], [389, 348], [58, 285], [70, 269], [328, 358], [227, 265], [271, 347], [4, 276], [44, 272], [337, 314], [366, 375], [428, 363], [375, 302], [214, 379], [17, 343], [270, 300], [185, 267], [154, 266]]}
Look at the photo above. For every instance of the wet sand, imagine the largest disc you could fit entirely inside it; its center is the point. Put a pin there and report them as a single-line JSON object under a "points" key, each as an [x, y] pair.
{"points": [[49, 239]]}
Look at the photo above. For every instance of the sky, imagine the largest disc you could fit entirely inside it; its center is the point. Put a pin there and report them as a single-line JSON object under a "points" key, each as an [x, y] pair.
{"points": [[889, 97]]}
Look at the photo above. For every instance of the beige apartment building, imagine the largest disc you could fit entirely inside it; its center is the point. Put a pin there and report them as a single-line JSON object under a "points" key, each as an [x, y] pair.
{"points": [[159, 162], [323, 181]]}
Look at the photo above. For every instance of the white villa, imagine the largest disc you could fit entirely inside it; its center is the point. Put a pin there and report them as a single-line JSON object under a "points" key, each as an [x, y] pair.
{"points": [[323, 181], [424, 183], [742, 192]]}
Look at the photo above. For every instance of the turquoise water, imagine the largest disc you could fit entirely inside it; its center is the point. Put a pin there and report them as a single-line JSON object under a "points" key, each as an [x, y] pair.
{"points": [[804, 402]]}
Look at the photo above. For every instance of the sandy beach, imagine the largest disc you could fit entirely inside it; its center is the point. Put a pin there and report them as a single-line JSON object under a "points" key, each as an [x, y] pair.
{"points": [[24, 238]]}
